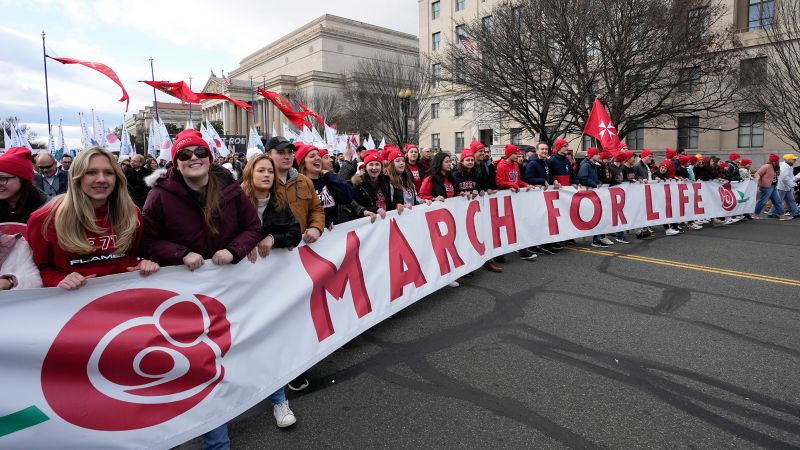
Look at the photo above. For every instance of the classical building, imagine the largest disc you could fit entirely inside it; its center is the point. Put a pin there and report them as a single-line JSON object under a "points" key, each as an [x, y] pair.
{"points": [[314, 59], [138, 124], [454, 124]]}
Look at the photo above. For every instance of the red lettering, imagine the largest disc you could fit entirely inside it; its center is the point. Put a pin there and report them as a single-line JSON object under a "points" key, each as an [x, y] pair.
{"points": [[473, 209], [552, 212], [683, 199], [648, 202], [401, 256], [617, 206], [443, 244], [326, 278], [668, 200], [698, 197], [575, 210], [506, 220]]}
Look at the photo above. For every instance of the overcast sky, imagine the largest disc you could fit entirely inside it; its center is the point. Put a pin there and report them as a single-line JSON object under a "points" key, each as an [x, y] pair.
{"points": [[185, 38]]}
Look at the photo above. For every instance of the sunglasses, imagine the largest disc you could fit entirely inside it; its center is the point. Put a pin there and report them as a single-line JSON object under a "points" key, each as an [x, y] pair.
{"points": [[43, 168], [185, 154]]}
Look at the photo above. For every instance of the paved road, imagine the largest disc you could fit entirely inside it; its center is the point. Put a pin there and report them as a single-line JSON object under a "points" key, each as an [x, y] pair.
{"points": [[628, 348]]}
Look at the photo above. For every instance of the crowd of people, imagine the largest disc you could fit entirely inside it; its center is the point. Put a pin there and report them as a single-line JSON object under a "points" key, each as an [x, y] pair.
{"points": [[97, 215]]}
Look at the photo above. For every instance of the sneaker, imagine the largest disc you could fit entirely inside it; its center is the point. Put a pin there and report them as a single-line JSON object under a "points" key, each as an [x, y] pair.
{"points": [[550, 249], [284, 416], [650, 230], [454, 284], [622, 240], [607, 241], [694, 226], [599, 244], [730, 220], [526, 254], [786, 218], [298, 384], [558, 246], [672, 232], [758, 216]]}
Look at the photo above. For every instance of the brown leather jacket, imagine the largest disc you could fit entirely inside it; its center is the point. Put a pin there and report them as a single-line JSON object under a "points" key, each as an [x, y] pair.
{"points": [[302, 199]]}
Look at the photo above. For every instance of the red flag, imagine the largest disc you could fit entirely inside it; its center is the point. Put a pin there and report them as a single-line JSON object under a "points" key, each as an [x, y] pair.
{"points": [[181, 91], [102, 68], [297, 118], [601, 128], [311, 113]]}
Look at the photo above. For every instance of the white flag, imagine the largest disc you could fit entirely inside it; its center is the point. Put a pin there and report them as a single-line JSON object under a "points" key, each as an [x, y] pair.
{"points": [[369, 144], [62, 144], [125, 142], [382, 144], [253, 141], [217, 143], [290, 135], [7, 143], [86, 138]]}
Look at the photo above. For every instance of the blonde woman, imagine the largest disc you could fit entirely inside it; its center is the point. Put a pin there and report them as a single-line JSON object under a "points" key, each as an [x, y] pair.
{"points": [[92, 230]]}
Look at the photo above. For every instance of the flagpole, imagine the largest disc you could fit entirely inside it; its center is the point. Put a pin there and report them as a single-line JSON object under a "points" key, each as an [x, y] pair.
{"points": [[153, 76], [252, 102], [190, 105], [266, 114], [46, 88], [94, 126]]}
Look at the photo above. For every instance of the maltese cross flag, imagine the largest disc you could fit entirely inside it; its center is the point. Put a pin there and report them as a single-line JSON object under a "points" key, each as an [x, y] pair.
{"points": [[601, 128]]}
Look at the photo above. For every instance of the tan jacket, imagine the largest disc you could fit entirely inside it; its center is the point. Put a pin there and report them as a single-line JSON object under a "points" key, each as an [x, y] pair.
{"points": [[303, 200]]}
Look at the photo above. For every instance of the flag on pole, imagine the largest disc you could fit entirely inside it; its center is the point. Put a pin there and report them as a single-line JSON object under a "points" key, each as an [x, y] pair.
{"points": [[217, 143], [330, 135], [369, 144], [466, 42], [290, 135], [181, 91], [189, 125], [22, 139], [51, 145], [602, 128], [165, 150], [316, 136], [225, 80], [296, 118], [86, 138], [62, 144], [102, 68], [306, 135], [311, 113], [125, 147], [254, 141], [112, 142], [7, 140], [382, 144]]}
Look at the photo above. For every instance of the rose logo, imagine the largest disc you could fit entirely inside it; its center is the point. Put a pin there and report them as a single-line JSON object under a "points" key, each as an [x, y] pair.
{"points": [[727, 197], [136, 358]]}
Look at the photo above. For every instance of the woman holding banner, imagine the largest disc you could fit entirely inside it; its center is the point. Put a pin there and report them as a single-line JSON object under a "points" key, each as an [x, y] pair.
{"points": [[94, 229], [196, 211]]}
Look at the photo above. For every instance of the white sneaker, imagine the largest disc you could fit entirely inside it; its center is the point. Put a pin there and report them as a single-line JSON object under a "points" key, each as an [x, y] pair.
{"points": [[454, 284], [729, 221], [284, 416], [695, 226], [607, 241], [672, 232]]}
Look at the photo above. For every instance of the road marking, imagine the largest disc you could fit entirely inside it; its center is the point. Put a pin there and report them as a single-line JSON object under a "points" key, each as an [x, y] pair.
{"points": [[689, 266]]}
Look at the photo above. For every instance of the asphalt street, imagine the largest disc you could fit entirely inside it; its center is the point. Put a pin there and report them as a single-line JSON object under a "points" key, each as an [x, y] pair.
{"points": [[690, 341]]}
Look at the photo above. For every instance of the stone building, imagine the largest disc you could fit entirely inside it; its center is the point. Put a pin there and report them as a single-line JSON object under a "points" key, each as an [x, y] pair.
{"points": [[138, 124]]}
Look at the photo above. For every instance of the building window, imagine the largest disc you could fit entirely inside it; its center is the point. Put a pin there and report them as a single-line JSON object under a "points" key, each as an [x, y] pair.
{"points": [[436, 9], [589, 141], [459, 140], [699, 22], [516, 136], [488, 24], [459, 107], [458, 76], [436, 41], [437, 74], [689, 78], [688, 132], [460, 5], [434, 110], [752, 71], [460, 32], [635, 138], [760, 14], [751, 130], [435, 141]]}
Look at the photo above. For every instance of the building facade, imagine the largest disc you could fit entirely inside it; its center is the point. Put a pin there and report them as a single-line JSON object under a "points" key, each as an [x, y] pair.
{"points": [[138, 124], [453, 124], [313, 60]]}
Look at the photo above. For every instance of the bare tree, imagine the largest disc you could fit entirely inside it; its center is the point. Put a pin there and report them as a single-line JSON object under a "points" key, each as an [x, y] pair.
{"points": [[371, 101], [22, 128], [777, 92], [326, 104]]}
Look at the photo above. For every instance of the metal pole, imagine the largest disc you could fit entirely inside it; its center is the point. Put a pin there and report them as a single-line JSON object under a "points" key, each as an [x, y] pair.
{"points": [[190, 105], [267, 130], [253, 103], [94, 126], [153, 76], [46, 88]]}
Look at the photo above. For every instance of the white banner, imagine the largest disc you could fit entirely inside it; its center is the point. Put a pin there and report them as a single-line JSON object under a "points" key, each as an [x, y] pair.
{"points": [[132, 362]]}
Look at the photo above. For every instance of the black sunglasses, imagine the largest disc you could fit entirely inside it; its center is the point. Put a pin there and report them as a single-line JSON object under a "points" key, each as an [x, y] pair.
{"points": [[185, 154], [43, 168]]}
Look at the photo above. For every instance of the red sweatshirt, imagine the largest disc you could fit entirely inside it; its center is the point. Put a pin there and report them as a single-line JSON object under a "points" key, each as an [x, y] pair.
{"points": [[416, 174], [55, 263], [508, 176]]}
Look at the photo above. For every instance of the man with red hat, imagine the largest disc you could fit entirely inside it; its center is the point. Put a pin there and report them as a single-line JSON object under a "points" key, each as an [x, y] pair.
{"points": [[508, 174], [672, 157], [561, 166], [588, 176], [731, 173], [645, 167], [767, 179]]}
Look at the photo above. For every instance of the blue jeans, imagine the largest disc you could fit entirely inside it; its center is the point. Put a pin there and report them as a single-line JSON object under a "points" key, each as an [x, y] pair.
{"points": [[217, 439], [278, 396], [768, 193], [789, 197]]}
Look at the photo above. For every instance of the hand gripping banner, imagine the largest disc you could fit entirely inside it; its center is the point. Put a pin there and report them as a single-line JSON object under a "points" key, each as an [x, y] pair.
{"points": [[132, 362]]}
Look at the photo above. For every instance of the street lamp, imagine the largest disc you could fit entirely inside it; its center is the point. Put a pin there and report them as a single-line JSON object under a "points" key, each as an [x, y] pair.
{"points": [[405, 105]]}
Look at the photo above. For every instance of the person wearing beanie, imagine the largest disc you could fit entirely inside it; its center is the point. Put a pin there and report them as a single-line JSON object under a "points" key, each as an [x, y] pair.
{"points": [[508, 173], [785, 188], [412, 166], [744, 169], [561, 166], [731, 172], [682, 173], [645, 167], [371, 190], [18, 196], [329, 187], [767, 179], [400, 178], [588, 175], [66, 252], [48, 178]]}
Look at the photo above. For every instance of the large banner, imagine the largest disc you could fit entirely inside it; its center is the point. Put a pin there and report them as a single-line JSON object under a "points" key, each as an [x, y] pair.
{"points": [[132, 362]]}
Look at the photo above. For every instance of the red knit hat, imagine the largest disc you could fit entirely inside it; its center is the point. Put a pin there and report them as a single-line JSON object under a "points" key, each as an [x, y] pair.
{"points": [[723, 165], [621, 145], [322, 151], [559, 144], [511, 149], [671, 153], [409, 147], [773, 157], [388, 149], [646, 153], [693, 160], [371, 156], [466, 153], [17, 161], [302, 151], [189, 138], [605, 154], [745, 162], [591, 151], [392, 153], [665, 163], [733, 157], [684, 160], [476, 145], [621, 157]]}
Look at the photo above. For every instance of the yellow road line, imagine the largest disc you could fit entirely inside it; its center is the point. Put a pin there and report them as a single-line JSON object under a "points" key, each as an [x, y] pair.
{"points": [[688, 266]]}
